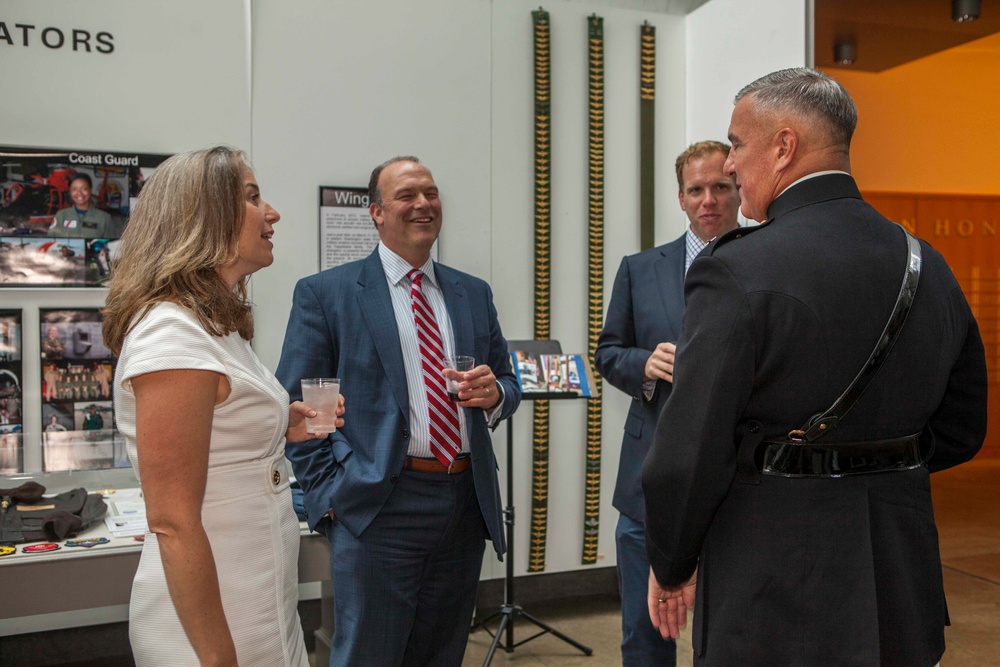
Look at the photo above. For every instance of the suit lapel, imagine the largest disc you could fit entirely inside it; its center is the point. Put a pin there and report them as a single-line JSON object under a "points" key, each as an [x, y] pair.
{"points": [[670, 279], [457, 302], [459, 312], [375, 305]]}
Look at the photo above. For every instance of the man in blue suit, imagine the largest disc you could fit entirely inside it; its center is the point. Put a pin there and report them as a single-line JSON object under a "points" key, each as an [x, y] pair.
{"points": [[406, 510], [635, 353]]}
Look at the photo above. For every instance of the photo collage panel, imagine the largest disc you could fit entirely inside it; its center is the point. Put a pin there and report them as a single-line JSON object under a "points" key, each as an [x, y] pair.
{"points": [[11, 398], [78, 427], [63, 211]]}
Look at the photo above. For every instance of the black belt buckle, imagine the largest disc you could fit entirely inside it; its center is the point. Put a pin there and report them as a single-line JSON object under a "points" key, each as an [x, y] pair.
{"points": [[803, 459]]}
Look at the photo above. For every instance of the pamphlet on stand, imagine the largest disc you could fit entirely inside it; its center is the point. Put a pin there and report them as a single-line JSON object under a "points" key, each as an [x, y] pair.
{"points": [[552, 373]]}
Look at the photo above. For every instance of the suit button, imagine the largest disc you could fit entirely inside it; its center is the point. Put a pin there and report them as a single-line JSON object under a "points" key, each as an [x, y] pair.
{"points": [[394, 478], [406, 433], [755, 427]]}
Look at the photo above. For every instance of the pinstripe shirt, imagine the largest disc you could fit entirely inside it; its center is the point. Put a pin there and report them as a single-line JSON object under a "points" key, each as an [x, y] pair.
{"points": [[693, 245]]}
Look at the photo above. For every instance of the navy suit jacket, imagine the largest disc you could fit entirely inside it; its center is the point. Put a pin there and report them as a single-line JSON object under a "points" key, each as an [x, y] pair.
{"points": [[646, 309], [342, 325]]}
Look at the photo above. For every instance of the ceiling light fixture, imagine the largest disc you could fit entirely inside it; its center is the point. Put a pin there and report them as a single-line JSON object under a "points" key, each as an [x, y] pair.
{"points": [[965, 10], [845, 52]]}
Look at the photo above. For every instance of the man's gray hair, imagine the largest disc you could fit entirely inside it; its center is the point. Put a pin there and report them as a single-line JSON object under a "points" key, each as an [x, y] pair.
{"points": [[806, 92]]}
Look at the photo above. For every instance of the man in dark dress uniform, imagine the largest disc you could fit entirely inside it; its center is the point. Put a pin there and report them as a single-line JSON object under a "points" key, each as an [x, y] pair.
{"points": [[816, 564]]}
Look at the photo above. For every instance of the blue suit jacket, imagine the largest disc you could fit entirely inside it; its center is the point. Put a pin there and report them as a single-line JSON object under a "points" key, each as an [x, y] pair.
{"points": [[647, 307], [342, 325]]}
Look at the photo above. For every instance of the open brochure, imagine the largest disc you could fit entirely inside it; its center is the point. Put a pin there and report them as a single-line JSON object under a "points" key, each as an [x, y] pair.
{"points": [[126, 513], [552, 373]]}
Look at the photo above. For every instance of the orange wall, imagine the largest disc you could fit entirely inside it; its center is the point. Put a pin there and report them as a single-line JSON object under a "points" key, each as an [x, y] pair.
{"points": [[930, 125]]}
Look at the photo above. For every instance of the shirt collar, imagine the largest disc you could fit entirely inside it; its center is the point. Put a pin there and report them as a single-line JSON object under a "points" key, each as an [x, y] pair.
{"points": [[694, 242], [396, 268], [693, 245]]}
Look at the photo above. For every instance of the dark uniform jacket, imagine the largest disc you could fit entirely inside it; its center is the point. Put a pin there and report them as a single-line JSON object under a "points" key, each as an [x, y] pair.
{"points": [[779, 320]]}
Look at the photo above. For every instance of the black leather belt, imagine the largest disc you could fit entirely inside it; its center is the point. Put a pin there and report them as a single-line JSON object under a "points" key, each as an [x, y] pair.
{"points": [[794, 459]]}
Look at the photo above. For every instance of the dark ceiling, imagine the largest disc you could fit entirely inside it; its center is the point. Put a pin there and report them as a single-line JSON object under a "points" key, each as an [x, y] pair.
{"points": [[888, 33]]}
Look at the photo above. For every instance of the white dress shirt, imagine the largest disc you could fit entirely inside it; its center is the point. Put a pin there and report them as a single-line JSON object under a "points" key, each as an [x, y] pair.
{"points": [[396, 268]]}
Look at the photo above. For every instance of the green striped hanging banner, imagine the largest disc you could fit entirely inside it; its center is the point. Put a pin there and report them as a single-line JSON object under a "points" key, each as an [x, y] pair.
{"points": [[543, 278], [595, 284], [647, 135]]}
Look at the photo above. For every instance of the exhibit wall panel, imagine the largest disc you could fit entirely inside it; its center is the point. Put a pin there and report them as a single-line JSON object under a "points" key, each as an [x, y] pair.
{"points": [[121, 76]]}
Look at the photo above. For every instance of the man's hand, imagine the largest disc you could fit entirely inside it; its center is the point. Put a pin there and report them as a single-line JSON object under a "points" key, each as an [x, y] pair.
{"points": [[477, 388], [660, 365], [668, 606]]}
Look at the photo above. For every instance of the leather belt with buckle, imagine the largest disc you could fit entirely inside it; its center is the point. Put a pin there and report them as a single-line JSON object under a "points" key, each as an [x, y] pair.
{"points": [[793, 459], [461, 464]]}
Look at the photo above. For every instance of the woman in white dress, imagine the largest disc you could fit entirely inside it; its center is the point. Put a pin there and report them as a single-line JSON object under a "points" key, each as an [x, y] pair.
{"points": [[205, 423]]}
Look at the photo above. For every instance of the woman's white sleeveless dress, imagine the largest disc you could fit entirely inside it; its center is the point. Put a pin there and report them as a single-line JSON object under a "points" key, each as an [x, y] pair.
{"points": [[247, 512]]}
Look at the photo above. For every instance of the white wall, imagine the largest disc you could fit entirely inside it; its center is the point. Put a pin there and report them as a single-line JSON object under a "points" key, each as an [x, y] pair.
{"points": [[326, 89], [340, 87], [177, 79], [729, 44]]}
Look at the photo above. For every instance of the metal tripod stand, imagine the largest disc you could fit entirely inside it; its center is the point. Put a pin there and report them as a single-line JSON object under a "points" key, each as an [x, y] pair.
{"points": [[510, 611]]}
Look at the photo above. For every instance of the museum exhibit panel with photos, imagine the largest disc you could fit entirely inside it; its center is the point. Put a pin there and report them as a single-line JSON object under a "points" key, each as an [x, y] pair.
{"points": [[11, 400], [78, 430], [62, 212]]}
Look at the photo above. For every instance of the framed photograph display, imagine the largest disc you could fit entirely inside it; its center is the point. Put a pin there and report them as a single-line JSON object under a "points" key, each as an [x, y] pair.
{"points": [[346, 229], [78, 427], [62, 212], [11, 398]]}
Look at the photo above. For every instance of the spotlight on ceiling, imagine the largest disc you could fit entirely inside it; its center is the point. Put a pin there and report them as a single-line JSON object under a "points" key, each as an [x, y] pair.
{"points": [[845, 52], [965, 10]]}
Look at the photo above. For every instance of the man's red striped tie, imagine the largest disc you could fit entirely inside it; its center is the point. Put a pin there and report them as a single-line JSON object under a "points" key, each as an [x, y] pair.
{"points": [[445, 435]]}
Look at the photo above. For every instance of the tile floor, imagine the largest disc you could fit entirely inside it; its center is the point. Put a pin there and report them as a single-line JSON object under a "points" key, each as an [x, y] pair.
{"points": [[967, 506]]}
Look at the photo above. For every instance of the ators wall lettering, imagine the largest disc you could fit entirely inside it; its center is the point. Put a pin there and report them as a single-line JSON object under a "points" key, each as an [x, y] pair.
{"points": [[24, 34]]}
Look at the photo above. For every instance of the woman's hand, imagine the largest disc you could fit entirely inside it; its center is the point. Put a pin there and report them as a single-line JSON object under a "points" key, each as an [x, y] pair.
{"points": [[297, 413]]}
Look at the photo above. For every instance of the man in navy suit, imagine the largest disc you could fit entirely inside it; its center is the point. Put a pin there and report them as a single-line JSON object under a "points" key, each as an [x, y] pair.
{"points": [[407, 524], [789, 554], [635, 353]]}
